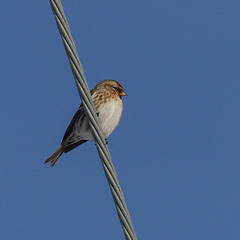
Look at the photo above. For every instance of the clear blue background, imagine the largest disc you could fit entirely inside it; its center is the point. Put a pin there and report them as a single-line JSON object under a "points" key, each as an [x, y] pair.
{"points": [[176, 149]]}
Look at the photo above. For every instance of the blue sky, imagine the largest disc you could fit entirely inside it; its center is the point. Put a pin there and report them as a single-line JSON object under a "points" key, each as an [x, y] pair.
{"points": [[176, 149]]}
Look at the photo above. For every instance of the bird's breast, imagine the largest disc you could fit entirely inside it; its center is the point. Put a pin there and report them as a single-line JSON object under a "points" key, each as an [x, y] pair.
{"points": [[109, 116]]}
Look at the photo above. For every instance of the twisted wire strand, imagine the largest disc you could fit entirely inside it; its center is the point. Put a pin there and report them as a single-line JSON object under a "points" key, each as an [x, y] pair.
{"points": [[100, 142]]}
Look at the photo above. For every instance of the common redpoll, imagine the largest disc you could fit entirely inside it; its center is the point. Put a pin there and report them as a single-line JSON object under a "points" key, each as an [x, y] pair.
{"points": [[107, 100]]}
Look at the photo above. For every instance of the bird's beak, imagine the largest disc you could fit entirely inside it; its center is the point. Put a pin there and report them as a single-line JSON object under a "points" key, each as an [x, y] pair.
{"points": [[122, 94]]}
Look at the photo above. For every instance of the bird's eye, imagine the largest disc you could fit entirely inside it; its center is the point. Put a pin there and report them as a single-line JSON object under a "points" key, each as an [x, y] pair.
{"points": [[117, 89]]}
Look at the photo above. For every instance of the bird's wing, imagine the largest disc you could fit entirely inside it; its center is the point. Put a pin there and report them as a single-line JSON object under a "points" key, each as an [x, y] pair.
{"points": [[68, 139], [76, 116]]}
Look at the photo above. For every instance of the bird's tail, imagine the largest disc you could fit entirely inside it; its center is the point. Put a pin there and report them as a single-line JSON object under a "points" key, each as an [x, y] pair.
{"points": [[55, 156]]}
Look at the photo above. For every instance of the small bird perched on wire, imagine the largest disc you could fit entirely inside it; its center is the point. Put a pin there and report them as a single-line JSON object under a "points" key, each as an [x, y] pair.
{"points": [[107, 99]]}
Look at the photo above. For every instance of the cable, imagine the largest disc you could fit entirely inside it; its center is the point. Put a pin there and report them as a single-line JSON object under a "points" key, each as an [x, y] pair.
{"points": [[100, 142]]}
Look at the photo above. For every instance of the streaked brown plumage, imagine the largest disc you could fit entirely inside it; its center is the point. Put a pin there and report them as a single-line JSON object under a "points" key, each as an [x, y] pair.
{"points": [[108, 103]]}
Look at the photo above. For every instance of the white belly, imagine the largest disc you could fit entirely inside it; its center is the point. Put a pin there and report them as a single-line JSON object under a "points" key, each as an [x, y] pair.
{"points": [[109, 116]]}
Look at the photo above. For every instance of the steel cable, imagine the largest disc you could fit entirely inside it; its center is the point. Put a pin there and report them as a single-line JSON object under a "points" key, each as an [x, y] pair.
{"points": [[100, 142]]}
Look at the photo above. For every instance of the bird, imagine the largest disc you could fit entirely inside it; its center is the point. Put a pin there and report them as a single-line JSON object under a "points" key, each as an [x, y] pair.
{"points": [[107, 99]]}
